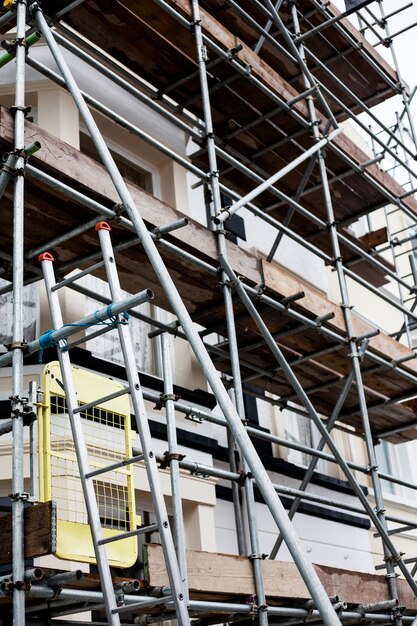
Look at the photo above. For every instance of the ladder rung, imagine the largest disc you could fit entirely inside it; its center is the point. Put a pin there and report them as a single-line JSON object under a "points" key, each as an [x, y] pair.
{"points": [[72, 279], [139, 531], [109, 468], [111, 396]]}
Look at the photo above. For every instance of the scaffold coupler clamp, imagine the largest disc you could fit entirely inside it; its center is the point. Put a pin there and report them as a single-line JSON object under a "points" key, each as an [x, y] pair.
{"points": [[118, 209], [369, 470], [23, 497], [232, 284], [119, 596], [243, 476], [16, 345], [260, 290], [389, 558], [234, 51], [170, 456], [252, 600], [20, 407], [7, 587], [165, 397], [193, 416], [397, 612]]}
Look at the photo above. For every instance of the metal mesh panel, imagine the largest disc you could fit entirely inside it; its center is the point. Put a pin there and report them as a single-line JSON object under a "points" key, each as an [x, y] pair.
{"points": [[106, 444]]}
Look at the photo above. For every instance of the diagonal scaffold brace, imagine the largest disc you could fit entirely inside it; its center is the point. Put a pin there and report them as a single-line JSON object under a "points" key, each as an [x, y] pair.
{"points": [[273, 502]]}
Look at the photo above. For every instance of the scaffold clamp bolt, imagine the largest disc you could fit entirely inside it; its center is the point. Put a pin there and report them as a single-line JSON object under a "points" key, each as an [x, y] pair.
{"points": [[24, 496]]}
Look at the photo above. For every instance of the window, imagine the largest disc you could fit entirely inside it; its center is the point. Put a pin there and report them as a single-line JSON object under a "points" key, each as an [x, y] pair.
{"points": [[297, 429], [129, 169]]}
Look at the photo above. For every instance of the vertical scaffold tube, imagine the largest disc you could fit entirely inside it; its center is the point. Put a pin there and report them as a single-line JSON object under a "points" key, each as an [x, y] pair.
{"points": [[17, 335]]}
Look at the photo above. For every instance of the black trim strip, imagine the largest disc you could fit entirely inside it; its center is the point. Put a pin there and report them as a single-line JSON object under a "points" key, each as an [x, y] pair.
{"points": [[190, 439], [225, 493]]}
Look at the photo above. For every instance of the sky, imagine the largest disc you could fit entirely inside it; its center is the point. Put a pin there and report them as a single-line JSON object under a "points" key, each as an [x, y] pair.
{"points": [[405, 49], [405, 44]]}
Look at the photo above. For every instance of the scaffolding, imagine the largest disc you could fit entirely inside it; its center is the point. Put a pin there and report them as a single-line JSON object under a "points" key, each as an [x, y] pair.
{"points": [[264, 95]]}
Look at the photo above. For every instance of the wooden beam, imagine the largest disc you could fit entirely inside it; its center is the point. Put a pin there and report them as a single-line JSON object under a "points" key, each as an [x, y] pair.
{"points": [[213, 573], [375, 238], [281, 87], [197, 288], [315, 302], [40, 532]]}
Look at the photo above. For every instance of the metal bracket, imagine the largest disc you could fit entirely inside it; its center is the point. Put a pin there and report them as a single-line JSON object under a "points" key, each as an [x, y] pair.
{"points": [[234, 51], [168, 396], [16, 345], [199, 474], [193, 417], [24, 109], [119, 597], [393, 559], [251, 600], [21, 585], [242, 477], [25, 497], [118, 210], [260, 557], [170, 456]]}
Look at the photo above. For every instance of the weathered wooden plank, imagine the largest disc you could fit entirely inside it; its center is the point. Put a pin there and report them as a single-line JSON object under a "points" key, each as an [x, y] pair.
{"points": [[281, 281], [375, 238], [40, 539], [214, 573], [225, 573], [197, 289], [274, 81], [64, 161]]}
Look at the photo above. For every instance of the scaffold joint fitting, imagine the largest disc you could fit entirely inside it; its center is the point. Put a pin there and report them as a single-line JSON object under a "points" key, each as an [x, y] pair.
{"points": [[194, 417], [394, 559], [260, 557], [23, 497], [16, 345], [24, 109], [233, 51], [168, 396], [170, 456], [21, 585]]}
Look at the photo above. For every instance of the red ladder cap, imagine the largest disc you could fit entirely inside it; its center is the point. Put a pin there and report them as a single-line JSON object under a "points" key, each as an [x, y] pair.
{"points": [[45, 256], [102, 226]]}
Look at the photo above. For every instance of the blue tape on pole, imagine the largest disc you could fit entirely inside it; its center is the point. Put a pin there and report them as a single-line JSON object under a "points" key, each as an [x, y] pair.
{"points": [[46, 340]]}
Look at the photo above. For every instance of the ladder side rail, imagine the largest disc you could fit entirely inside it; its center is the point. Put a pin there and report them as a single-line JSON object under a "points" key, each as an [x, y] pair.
{"points": [[145, 434], [81, 450]]}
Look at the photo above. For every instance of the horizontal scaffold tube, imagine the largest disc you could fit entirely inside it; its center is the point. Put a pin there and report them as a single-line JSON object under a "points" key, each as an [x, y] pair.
{"points": [[100, 316]]}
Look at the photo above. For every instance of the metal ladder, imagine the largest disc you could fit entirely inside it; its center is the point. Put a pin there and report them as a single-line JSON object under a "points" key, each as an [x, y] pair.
{"points": [[86, 475]]}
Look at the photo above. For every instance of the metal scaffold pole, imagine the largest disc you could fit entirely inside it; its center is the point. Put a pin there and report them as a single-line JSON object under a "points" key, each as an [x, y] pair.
{"points": [[390, 557], [316, 362], [17, 400], [266, 487], [237, 394]]}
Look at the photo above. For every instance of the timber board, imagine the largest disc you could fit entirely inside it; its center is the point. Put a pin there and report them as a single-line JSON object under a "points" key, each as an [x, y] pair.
{"points": [[219, 574], [363, 70], [40, 532], [49, 215], [352, 195]]}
